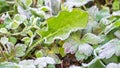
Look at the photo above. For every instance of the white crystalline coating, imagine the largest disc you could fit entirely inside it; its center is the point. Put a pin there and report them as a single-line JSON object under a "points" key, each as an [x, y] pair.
{"points": [[42, 62], [112, 65], [27, 64], [116, 13], [49, 60], [70, 46], [93, 11], [92, 38], [110, 48], [73, 66], [77, 3], [85, 49], [117, 34], [4, 40]]}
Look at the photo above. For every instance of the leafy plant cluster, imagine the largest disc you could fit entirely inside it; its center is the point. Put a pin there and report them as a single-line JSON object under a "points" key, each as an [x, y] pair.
{"points": [[37, 33]]}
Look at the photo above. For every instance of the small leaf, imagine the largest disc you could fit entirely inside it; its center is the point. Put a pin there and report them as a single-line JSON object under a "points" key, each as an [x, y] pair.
{"points": [[39, 54], [13, 40], [28, 2], [8, 65], [97, 64], [80, 56], [3, 30], [20, 50], [61, 26], [4, 40], [91, 38], [112, 65], [85, 49], [19, 18], [110, 48], [27, 64]]}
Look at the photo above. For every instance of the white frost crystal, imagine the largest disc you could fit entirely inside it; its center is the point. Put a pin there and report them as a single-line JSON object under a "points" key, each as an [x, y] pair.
{"points": [[85, 49], [27, 64]]}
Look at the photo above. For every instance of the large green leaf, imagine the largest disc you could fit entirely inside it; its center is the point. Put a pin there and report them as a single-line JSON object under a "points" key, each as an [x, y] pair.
{"points": [[61, 26]]}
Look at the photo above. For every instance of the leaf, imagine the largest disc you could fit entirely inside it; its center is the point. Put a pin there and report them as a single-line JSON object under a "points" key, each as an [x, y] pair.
{"points": [[80, 56], [110, 48], [91, 38], [112, 65], [85, 49], [102, 13], [20, 50], [3, 30], [8, 65], [4, 40], [116, 5], [76, 3], [28, 2], [61, 26], [97, 64], [39, 54], [27, 64], [13, 40]]}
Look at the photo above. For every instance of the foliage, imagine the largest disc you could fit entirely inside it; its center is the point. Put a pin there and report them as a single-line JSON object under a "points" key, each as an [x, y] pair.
{"points": [[43, 33]]}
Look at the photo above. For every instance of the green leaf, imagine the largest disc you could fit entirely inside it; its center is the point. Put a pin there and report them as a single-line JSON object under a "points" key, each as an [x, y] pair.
{"points": [[8, 65], [80, 56], [61, 51], [20, 18], [39, 54], [116, 5], [61, 26], [12, 40], [20, 50], [97, 64], [26, 40], [28, 2], [91, 38]]}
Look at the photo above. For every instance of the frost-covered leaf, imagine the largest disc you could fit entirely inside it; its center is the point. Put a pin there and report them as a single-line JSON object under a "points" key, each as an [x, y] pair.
{"points": [[61, 26], [3, 30], [27, 64], [9, 65], [117, 34], [20, 18], [23, 12], [112, 65], [109, 28], [110, 48], [102, 13], [4, 40], [70, 47], [91, 38], [77, 3], [20, 49], [73, 66], [85, 49], [80, 56], [43, 61], [55, 6]]}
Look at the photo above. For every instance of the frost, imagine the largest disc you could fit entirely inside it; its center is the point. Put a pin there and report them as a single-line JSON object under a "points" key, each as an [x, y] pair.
{"points": [[85, 49], [113, 65], [110, 48], [42, 62], [4, 40], [73, 66], [77, 3], [27, 64]]}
